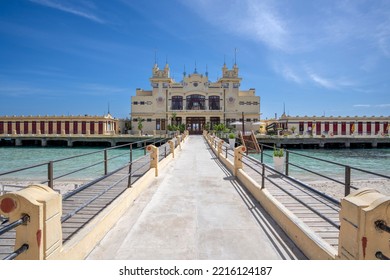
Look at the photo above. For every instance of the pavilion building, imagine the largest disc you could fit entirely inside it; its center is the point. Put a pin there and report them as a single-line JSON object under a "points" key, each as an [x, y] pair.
{"points": [[195, 101]]}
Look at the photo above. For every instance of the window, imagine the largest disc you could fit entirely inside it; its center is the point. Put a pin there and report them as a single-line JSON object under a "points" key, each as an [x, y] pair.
{"points": [[214, 121], [177, 103], [214, 103], [196, 102], [248, 120], [160, 124], [135, 102], [148, 120], [142, 102]]}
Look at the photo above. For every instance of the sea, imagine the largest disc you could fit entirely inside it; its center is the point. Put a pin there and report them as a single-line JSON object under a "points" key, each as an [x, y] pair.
{"points": [[12, 158], [375, 160]]}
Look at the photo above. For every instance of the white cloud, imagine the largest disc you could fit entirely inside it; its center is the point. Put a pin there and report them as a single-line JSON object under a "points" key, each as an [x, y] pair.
{"points": [[372, 105], [256, 20], [68, 8], [326, 83]]}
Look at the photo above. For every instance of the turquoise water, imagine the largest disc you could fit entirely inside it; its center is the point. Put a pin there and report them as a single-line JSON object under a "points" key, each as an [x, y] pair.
{"points": [[374, 160], [18, 157]]}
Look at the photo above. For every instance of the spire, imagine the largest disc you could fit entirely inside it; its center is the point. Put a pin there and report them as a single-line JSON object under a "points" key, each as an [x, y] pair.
{"points": [[184, 72], [235, 56], [108, 107], [155, 58], [207, 72], [195, 72]]}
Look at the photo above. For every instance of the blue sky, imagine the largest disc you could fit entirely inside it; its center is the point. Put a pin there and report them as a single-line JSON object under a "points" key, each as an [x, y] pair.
{"points": [[75, 57]]}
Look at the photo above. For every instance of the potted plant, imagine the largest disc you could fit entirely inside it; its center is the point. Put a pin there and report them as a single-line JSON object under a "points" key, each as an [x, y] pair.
{"points": [[232, 140], [278, 159]]}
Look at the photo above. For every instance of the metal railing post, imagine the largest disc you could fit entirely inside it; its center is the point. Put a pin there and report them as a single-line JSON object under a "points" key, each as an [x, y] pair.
{"points": [[262, 175], [129, 180], [347, 180], [226, 153], [287, 156], [144, 147], [262, 153], [105, 162], [50, 174], [131, 152], [165, 151]]}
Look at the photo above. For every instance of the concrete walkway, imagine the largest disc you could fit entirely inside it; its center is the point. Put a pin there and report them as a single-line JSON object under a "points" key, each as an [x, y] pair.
{"points": [[195, 210]]}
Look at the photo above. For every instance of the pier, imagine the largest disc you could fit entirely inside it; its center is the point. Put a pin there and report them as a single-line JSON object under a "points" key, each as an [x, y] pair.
{"points": [[193, 197]]}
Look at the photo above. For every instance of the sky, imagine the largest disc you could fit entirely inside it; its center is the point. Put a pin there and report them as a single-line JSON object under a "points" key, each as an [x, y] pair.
{"points": [[76, 57]]}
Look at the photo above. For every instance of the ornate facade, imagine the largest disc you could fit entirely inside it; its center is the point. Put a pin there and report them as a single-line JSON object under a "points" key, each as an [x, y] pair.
{"points": [[195, 101]]}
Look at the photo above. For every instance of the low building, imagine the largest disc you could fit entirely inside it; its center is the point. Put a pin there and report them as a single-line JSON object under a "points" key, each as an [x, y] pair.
{"points": [[195, 102], [58, 125], [332, 126]]}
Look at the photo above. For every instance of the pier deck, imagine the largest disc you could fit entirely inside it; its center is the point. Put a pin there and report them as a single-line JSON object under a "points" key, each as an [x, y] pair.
{"points": [[196, 209]]}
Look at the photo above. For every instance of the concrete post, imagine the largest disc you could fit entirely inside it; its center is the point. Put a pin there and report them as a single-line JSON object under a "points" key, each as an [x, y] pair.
{"points": [[172, 147], [178, 141], [43, 232], [18, 142], [153, 150], [364, 226], [220, 143], [238, 152]]}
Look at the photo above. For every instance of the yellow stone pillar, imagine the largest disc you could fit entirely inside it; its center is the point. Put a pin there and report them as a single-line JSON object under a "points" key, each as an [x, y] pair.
{"points": [[238, 152], [42, 232], [153, 150], [364, 226], [220, 144], [172, 147]]}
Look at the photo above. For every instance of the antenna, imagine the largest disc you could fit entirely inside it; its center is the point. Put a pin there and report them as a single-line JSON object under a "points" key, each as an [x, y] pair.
{"points": [[207, 71], [235, 56], [108, 105]]}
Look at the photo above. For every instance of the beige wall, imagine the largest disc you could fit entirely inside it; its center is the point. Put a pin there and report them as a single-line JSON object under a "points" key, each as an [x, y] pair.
{"points": [[157, 103]]}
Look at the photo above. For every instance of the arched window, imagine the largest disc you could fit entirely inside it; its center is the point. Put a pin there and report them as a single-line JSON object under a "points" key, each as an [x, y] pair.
{"points": [[214, 103], [196, 102], [177, 103]]}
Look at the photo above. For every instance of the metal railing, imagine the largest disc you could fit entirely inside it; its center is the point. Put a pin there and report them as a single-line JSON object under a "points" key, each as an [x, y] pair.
{"points": [[135, 168], [347, 168], [22, 221], [104, 161]]}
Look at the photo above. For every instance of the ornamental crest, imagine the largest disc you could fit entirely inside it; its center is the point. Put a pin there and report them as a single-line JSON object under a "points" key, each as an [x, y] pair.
{"points": [[231, 100], [160, 100]]}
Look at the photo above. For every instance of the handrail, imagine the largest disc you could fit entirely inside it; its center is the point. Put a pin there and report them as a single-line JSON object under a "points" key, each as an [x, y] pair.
{"points": [[23, 220]]}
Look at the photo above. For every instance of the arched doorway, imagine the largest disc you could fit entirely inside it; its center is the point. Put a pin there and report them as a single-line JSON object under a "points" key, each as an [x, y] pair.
{"points": [[195, 125]]}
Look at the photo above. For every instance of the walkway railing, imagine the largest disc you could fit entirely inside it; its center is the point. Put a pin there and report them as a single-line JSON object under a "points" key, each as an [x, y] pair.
{"points": [[102, 161], [325, 222], [347, 183], [134, 169], [22, 221]]}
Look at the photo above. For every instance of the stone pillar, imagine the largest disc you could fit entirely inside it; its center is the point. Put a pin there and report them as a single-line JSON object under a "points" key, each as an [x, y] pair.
{"points": [[220, 144], [238, 152], [172, 147], [42, 231], [364, 226], [18, 142], [153, 150]]}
